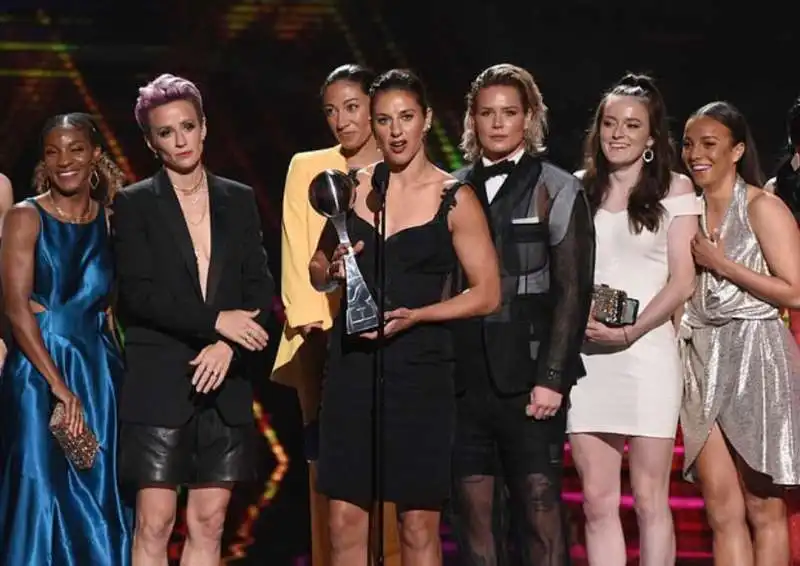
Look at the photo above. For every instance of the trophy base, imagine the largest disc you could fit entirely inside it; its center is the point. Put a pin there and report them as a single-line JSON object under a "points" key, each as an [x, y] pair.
{"points": [[362, 325]]}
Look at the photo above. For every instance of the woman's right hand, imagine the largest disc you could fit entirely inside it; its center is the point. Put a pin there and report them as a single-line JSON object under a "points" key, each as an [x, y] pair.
{"points": [[336, 270], [72, 406]]}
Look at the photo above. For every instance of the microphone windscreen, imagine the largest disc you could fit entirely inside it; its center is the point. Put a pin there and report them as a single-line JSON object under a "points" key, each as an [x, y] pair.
{"points": [[380, 177]]}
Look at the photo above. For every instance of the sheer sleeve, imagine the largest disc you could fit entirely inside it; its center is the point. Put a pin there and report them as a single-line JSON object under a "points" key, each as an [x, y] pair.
{"points": [[572, 248]]}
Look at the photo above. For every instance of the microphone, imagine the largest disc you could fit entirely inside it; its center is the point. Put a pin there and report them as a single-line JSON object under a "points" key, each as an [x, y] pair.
{"points": [[380, 184], [380, 180]]}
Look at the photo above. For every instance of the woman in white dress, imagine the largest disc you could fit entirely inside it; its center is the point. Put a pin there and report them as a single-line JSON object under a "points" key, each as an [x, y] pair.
{"points": [[645, 219]]}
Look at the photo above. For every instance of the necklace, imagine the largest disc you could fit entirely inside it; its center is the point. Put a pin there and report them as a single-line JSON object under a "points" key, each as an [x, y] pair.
{"points": [[80, 219], [193, 190], [200, 219]]}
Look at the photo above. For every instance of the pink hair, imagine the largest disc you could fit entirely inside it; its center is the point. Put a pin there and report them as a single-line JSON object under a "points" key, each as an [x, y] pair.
{"points": [[163, 90]]}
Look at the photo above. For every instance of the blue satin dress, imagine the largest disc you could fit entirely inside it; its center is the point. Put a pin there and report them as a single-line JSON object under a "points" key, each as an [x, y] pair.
{"points": [[52, 514]]}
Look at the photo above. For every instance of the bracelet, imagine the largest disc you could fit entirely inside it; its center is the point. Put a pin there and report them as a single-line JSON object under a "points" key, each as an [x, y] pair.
{"points": [[625, 334]]}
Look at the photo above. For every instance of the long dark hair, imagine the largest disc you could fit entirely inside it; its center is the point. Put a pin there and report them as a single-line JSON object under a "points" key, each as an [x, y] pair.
{"points": [[729, 116], [110, 177], [644, 202]]}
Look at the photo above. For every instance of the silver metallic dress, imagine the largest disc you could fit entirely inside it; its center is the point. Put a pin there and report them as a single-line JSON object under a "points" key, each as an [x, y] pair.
{"points": [[741, 365]]}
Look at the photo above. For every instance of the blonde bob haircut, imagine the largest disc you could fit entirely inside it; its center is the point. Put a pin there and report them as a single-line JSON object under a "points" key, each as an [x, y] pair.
{"points": [[505, 74]]}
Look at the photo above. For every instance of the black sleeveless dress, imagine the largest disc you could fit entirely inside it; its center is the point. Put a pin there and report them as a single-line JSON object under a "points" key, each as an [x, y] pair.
{"points": [[419, 404]]}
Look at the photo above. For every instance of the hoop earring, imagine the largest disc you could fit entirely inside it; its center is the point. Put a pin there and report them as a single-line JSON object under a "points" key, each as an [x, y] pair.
{"points": [[648, 155], [94, 179]]}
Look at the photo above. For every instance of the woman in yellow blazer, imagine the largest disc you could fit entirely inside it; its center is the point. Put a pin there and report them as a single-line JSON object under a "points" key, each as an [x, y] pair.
{"points": [[309, 313]]}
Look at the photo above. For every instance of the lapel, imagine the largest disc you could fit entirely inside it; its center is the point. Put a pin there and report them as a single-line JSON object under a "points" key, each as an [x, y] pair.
{"points": [[173, 218], [170, 210], [517, 186], [218, 206]]}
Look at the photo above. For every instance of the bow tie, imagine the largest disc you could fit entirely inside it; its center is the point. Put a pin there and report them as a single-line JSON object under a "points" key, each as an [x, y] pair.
{"points": [[500, 168]]}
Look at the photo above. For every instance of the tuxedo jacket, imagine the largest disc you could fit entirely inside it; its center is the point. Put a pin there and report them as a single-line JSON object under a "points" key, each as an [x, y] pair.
{"points": [[166, 321], [543, 232]]}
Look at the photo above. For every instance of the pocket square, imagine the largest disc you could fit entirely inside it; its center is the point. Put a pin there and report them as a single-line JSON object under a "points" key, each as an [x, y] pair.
{"points": [[527, 220]]}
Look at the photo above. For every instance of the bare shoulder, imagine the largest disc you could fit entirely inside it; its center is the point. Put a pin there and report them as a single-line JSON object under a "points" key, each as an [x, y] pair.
{"points": [[680, 185], [5, 183], [765, 208], [22, 216]]}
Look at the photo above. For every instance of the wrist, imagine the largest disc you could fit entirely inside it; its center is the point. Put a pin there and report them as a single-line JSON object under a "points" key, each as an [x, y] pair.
{"points": [[724, 268], [417, 315], [631, 333]]}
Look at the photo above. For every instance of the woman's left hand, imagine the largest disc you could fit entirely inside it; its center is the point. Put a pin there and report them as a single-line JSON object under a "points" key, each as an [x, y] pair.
{"points": [[599, 333], [397, 321], [212, 364]]}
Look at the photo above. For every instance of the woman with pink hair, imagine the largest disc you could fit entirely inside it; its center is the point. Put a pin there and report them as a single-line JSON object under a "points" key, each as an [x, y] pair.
{"points": [[194, 295]]}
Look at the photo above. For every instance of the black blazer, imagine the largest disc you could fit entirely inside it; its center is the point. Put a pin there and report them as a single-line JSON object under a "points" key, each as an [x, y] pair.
{"points": [[535, 337], [165, 320]]}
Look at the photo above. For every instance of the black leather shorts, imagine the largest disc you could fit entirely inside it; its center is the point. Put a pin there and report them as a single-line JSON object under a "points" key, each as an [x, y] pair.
{"points": [[204, 451]]}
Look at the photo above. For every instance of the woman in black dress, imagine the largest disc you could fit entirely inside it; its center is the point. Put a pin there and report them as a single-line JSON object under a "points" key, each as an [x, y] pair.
{"points": [[432, 222]]}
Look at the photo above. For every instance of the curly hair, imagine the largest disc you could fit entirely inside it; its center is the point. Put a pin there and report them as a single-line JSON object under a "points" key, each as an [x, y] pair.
{"points": [[644, 202], [110, 177], [505, 74]]}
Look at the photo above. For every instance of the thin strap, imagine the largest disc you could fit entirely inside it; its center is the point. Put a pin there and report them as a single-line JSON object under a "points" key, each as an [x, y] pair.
{"points": [[449, 198]]}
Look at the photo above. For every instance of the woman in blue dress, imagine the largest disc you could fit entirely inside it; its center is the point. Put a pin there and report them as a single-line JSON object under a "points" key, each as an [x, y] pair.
{"points": [[57, 278]]}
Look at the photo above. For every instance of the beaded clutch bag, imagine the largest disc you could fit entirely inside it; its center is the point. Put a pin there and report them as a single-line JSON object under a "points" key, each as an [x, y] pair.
{"points": [[82, 449], [613, 307]]}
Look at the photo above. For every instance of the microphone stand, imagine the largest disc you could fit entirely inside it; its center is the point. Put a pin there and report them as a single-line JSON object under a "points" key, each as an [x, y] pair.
{"points": [[379, 370]]}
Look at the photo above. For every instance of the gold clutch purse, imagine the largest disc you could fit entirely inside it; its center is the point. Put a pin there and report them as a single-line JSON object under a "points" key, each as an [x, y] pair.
{"points": [[82, 449], [613, 307]]}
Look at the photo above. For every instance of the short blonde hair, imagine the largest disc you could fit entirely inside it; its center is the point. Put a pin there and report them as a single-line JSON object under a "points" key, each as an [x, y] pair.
{"points": [[506, 75]]}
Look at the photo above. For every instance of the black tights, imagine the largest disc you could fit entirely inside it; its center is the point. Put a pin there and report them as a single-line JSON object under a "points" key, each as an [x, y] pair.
{"points": [[537, 523]]}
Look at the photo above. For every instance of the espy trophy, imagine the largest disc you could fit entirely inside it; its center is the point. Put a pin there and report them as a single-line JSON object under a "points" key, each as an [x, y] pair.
{"points": [[331, 194]]}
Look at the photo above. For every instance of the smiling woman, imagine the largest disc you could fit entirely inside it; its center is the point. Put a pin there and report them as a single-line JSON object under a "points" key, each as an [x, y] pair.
{"points": [[645, 217], [738, 358], [57, 276]]}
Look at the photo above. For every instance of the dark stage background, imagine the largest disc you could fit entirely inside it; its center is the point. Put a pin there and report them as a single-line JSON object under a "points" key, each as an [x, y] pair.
{"points": [[260, 64]]}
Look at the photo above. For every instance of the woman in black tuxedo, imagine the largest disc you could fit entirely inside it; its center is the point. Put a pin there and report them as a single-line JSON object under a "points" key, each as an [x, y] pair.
{"points": [[194, 294]]}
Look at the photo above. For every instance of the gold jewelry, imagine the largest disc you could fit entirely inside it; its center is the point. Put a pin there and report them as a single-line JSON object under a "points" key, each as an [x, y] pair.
{"points": [[194, 188], [94, 179], [80, 219], [199, 220]]}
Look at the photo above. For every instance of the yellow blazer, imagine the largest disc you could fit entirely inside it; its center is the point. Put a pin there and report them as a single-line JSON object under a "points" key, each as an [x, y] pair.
{"points": [[301, 227]]}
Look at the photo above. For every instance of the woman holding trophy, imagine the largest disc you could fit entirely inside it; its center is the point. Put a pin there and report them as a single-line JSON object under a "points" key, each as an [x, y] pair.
{"points": [[645, 219], [432, 221]]}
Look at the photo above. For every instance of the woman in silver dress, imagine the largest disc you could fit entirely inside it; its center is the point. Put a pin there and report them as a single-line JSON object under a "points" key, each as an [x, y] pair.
{"points": [[741, 406]]}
